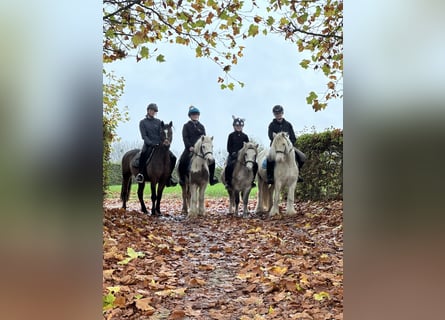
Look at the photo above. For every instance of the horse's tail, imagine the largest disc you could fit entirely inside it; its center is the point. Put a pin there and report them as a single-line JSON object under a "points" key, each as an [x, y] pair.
{"points": [[126, 173]]}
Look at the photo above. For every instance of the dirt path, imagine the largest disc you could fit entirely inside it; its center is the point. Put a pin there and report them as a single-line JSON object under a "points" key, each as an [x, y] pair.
{"points": [[223, 267]]}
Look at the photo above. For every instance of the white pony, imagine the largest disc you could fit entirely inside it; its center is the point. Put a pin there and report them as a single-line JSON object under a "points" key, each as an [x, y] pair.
{"points": [[197, 179], [285, 175]]}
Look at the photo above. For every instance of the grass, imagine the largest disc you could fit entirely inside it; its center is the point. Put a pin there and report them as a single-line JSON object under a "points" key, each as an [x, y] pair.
{"points": [[216, 191]]}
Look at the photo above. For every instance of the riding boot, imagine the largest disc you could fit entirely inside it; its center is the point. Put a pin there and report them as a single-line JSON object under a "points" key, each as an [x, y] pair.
{"points": [[300, 161], [254, 170], [142, 164], [183, 166], [270, 169], [212, 179], [228, 175]]}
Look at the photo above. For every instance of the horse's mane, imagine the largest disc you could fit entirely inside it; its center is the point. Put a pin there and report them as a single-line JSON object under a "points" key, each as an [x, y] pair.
{"points": [[202, 139], [278, 138]]}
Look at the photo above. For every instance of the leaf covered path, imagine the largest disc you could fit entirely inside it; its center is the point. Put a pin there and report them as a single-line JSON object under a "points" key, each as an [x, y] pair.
{"points": [[222, 267]]}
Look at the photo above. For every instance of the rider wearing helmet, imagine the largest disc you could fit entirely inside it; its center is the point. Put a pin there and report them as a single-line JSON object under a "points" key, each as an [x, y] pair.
{"points": [[235, 141], [279, 124], [191, 132], [150, 128]]}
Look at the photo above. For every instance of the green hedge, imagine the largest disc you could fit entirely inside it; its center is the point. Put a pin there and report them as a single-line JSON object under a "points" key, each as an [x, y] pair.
{"points": [[323, 169]]}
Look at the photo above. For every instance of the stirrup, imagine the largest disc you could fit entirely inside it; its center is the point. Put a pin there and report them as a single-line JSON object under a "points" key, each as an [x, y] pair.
{"points": [[140, 178]]}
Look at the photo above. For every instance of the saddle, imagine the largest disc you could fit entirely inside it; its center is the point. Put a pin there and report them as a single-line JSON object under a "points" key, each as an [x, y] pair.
{"points": [[135, 161]]}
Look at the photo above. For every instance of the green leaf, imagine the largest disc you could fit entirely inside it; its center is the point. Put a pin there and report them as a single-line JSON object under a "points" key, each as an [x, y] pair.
{"points": [[305, 63], [108, 301], [160, 58], [311, 97], [144, 52], [253, 30], [270, 21], [321, 296]]}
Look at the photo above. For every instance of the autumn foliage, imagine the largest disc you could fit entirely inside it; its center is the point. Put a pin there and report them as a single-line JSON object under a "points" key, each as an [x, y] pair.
{"points": [[223, 267]]}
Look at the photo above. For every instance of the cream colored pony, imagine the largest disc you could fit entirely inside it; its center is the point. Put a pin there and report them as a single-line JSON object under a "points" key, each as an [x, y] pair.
{"points": [[285, 176], [197, 179]]}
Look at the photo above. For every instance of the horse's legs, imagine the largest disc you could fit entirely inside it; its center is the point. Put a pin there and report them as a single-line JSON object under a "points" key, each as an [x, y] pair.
{"points": [[275, 198], [125, 189], [201, 210], [290, 210], [193, 212], [246, 194], [153, 198], [158, 198], [141, 187], [184, 198], [236, 202]]}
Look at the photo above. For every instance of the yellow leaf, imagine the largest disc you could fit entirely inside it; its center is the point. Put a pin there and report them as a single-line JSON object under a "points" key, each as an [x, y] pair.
{"points": [[278, 271], [271, 310], [321, 296]]}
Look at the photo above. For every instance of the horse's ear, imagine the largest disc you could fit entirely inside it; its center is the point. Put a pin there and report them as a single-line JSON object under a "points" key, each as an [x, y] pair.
{"points": [[171, 125], [233, 117], [274, 134], [202, 138], [211, 138], [162, 123], [244, 144], [256, 147]]}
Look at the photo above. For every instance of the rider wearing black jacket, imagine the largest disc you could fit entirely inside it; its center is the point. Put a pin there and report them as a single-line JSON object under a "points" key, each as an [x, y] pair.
{"points": [[150, 129], [191, 132], [235, 142], [279, 124]]}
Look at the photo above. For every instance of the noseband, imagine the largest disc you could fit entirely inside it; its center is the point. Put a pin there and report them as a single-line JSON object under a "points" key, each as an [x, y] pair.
{"points": [[249, 161]]}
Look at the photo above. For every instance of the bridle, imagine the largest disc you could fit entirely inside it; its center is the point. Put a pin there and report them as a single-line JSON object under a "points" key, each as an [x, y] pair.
{"points": [[245, 162], [201, 153]]}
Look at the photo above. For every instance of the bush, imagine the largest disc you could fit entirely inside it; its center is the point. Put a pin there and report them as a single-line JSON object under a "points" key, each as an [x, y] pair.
{"points": [[115, 174], [323, 169]]}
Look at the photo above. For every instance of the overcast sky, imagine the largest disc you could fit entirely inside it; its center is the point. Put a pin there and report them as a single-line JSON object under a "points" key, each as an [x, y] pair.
{"points": [[271, 73]]}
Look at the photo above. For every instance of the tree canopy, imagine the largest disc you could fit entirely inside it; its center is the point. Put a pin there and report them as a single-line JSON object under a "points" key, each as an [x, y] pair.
{"points": [[216, 30]]}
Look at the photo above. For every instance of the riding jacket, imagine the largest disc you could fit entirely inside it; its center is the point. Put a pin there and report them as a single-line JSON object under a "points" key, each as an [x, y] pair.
{"points": [[191, 132], [150, 129], [283, 126], [235, 141]]}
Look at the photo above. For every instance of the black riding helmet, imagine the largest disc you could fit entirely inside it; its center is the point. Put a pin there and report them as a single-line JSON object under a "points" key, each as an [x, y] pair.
{"points": [[277, 109], [152, 106]]}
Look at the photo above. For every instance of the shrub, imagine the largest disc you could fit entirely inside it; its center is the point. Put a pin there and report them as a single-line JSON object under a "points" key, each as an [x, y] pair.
{"points": [[323, 169]]}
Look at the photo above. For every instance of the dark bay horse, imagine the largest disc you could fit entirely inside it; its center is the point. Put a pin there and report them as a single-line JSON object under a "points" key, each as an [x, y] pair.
{"points": [[242, 177], [158, 172]]}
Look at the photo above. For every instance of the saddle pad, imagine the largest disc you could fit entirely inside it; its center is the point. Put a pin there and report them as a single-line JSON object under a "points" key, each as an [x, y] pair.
{"points": [[264, 164], [135, 162]]}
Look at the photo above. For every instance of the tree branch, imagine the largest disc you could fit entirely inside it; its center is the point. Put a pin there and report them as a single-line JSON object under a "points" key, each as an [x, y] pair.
{"points": [[121, 9]]}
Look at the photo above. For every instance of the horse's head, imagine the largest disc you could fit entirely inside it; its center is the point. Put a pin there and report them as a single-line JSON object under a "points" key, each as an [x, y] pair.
{"points": [[166, 133], [204, 148], [281, 146], [248, 153]]}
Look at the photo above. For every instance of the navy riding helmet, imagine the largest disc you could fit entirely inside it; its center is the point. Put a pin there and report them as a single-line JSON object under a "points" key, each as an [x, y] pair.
{"points": [[193, 110]]}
